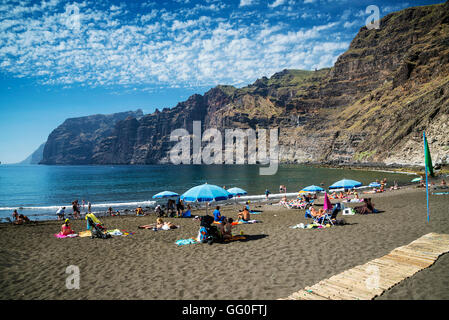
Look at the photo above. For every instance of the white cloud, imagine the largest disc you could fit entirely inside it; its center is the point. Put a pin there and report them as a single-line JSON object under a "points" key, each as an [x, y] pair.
{"points": [[244, 3], [156, 47], [276, 3]]}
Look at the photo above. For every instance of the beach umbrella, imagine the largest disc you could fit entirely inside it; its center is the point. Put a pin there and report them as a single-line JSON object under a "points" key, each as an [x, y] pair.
{"points": [[313, 188], [165, 194], [374, 185], [206, 193], [345, 184], [237, 191], [327, 203], [416, 180]]}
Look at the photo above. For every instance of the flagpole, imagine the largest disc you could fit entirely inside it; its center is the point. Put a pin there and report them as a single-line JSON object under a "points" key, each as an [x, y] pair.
{"points": [[427, 183]]}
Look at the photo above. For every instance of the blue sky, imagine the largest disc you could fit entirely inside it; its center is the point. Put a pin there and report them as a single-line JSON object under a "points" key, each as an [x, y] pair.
{"points": [[61, 59]]}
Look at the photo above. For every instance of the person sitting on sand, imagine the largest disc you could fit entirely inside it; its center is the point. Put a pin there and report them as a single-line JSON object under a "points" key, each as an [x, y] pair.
{"points": [[228, 229], [66, 229], [217, 215], [139, 211], [244, 215], [443, 183], [21, 219]]}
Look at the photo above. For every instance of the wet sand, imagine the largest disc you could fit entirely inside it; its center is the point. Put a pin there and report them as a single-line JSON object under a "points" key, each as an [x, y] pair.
{"points": [[273, 263]]}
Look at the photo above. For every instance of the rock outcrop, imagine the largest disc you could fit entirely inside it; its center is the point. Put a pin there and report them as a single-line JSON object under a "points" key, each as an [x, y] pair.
{"points": [[370, 107], [74, 141]]}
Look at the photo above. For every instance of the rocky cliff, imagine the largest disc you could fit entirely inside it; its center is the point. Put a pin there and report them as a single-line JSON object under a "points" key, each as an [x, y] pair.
{"points": [[371, 106], [74, 141]]}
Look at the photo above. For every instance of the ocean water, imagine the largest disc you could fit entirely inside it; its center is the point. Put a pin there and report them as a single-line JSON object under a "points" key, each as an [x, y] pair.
{"points": [[38, 191]]}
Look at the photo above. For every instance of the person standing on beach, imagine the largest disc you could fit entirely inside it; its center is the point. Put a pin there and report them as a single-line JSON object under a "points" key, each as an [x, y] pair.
{"points": [[89, 206], [76, 210], [110, 211], [267, 193], [61, 213]]}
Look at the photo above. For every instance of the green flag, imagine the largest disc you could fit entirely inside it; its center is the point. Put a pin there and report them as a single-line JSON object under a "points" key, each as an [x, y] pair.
{"points": [[428, 159]]}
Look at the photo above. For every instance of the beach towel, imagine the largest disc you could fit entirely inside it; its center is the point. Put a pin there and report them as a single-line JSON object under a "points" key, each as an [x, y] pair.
{"points": [[255, 212], [83, 234], [245, 222], [182, 242], [440, 193], [153, 226], [187, 214], [114, 232], [60, 236]]}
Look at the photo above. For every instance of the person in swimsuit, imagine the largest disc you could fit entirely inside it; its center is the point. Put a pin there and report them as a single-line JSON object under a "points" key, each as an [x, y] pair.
{"points": [[244, 215], [227, 229], [66, 229]]}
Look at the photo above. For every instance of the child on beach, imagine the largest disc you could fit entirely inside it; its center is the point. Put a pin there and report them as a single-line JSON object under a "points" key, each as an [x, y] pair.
{"points": [[139, 211]]}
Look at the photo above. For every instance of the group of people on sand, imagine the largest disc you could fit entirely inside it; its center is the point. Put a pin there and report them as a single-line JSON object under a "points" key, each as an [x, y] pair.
{"points": [[76, 210], [19, 218]]}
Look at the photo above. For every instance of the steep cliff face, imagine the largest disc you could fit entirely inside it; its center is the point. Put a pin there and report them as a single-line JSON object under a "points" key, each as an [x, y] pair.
{"points": [[371, 106], [74, 141]]}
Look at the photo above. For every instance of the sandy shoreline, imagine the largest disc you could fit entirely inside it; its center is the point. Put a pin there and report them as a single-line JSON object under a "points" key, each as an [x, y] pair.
{"points": [[275, 262]]}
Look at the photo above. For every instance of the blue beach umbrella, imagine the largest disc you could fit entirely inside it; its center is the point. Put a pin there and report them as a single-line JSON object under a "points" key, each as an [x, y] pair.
{"points": [[237, 191], [206, 193], [345, 184], [374, 185], [313, 188], [165, 194]]}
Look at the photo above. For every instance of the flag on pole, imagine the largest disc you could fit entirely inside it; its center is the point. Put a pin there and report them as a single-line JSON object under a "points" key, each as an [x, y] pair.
{"points": [[428, 159], [427, 166]]}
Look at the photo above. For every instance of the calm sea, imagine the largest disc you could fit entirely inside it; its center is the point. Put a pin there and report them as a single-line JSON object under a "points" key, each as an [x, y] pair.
{"points": [[40, 190]]}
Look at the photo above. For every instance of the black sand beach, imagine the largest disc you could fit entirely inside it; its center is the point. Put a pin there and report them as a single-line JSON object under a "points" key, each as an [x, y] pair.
{"points": [[274, 262]]}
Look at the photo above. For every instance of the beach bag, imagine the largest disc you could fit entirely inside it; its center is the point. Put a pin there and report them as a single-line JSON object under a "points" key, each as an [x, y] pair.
{"points": [[308, 215], [348, 212], [203, 235]]}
